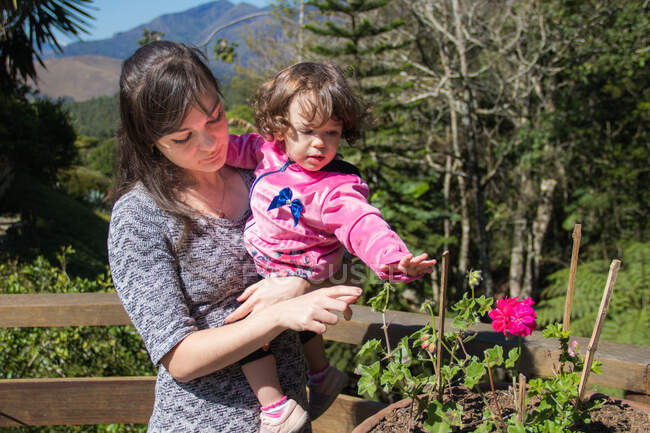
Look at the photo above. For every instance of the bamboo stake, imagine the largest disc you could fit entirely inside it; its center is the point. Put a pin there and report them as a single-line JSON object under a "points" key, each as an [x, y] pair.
{"points": [[595, 336], [521, 400], [441, 321], [577, 235]]}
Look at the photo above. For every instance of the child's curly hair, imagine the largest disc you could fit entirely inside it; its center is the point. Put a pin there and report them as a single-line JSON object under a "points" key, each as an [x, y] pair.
{"points": [[331, 96]]}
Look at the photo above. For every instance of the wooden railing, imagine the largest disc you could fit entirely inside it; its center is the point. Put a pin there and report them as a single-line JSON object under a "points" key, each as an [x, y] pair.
{"points": [[126, 400]]}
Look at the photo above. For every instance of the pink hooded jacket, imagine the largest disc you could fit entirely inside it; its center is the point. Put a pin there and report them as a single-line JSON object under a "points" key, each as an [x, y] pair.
{"points": [[314, 216]]}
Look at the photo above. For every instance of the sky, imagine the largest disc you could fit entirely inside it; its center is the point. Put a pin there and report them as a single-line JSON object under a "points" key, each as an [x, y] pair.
{"points": [[112, 16]]}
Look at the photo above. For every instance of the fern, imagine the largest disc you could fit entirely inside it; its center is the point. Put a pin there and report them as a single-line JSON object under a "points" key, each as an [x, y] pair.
{"points": [[628, 320]]}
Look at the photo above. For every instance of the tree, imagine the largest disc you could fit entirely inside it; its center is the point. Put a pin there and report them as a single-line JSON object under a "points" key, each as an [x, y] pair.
{"points": [[277, 42], [149, 36], [448, 67], [363, 38], [37, 137], [603, 109], [521, 88], [26, 27]]}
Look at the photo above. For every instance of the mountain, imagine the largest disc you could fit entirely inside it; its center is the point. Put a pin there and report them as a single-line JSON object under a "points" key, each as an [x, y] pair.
{"points": [[79, 78], [91, 68]]}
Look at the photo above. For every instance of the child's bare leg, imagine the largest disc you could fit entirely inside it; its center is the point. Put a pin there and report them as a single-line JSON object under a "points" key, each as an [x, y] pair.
{"points": [[315, 353], [262, 376]]}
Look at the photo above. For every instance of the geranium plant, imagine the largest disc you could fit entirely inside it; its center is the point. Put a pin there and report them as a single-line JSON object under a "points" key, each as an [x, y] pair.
{"points": [[410, 368]]}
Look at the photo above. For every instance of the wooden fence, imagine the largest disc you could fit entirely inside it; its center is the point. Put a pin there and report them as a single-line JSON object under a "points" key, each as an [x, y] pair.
{"points": [[126, 400]]}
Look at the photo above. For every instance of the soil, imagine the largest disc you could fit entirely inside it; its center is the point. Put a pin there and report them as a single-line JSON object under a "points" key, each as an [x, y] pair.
{"points": [[614, 416]]}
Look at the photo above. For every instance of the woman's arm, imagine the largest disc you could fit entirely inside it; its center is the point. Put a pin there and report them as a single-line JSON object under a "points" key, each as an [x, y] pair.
{"points": [[209, 350], [145, 274], [272, 290]]}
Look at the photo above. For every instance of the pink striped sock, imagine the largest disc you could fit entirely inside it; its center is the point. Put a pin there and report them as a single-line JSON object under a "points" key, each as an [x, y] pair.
{"points": [[316, 377], [276, 409]]}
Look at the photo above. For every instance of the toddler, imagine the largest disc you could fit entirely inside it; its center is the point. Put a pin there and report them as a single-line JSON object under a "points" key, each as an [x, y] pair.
{"points": [[308, 206]]}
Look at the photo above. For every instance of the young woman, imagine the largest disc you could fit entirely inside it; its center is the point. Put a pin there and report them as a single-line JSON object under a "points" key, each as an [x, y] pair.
{"points": [[177, 255]]}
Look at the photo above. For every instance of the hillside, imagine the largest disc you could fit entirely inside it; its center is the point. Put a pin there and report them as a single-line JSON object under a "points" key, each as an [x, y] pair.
{"points": [[79, 77], [191, 26]]}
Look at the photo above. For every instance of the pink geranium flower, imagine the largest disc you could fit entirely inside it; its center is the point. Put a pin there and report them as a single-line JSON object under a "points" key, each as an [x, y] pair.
{"points": [[514, 317]]}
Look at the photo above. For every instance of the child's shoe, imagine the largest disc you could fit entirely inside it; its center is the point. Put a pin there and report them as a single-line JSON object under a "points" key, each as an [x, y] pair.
{"points": [[292, 420], [323, 393]]}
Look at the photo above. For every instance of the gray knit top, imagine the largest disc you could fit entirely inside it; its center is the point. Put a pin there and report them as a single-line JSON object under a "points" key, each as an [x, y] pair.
{"points": [[170, 291]]}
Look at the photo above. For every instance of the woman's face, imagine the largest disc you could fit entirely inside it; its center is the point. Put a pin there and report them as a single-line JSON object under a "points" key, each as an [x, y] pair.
{"points": [[201, 143]]}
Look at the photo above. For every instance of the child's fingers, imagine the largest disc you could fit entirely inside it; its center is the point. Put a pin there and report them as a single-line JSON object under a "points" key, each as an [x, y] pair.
{"points": [[419, 259], [404, 263]]}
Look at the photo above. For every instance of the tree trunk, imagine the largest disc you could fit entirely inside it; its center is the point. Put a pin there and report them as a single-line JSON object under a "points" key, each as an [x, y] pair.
{"points": [[517, 252], [527, 289], [520, 251], [469, 123], [540, 225]]}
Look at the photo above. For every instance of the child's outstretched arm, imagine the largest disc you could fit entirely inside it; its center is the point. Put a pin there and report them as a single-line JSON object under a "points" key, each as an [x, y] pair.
{"points": [[361, 229], [244, 151], [412, 266]]}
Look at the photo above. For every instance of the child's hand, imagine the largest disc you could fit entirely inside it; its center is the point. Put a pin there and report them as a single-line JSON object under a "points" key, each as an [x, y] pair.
{"points": [[412, 266]]}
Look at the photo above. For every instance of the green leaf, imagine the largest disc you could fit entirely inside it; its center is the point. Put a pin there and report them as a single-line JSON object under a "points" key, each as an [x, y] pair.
{"points": [[415, 189], [379, 302], [494, 355], [367, 384], [437, 427], [370, 349], [519, 428], [435, 422], [474, 373], [513, 356]]}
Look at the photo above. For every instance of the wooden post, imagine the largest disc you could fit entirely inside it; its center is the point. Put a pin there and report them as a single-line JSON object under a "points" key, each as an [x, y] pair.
{"points": [[441, 320], [577, 235], [600, 319], [521, 399]]}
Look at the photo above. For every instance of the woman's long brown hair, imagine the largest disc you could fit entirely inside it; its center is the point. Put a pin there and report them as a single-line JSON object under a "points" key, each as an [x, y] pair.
{"points": [[159, 85]]}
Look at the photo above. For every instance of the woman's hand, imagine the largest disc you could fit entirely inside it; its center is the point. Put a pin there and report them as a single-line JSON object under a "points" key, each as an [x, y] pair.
{"points": [[411, 266], [314, 311], [267, 292]]}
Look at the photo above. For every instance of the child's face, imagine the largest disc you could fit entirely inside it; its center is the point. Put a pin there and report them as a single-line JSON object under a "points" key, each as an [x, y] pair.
{"points": [[311, 146]]}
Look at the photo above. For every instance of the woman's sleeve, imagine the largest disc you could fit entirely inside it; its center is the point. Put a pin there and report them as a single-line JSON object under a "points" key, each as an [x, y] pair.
{"points": [[360, 227], [145, 274], [244, 151]]}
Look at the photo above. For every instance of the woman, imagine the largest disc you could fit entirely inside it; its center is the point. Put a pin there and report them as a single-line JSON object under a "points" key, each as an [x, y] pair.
{"points": [[177, 256]]}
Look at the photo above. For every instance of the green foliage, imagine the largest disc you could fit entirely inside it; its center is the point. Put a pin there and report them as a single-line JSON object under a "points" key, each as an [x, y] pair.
{"points": [[37, 137], [627, 317], [225, 51], [102, 157], [80, 183], [240, 119], [406, 369], [29, 26], [97, 117], [83, 351], [557, 395], [603, 112], [51, 218], [238, 90], [149, 36]]}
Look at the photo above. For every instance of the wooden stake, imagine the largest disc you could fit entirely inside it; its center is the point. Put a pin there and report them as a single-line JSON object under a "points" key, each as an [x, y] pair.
{"points": [[441, 321], [577, 235], [521, 400], [595, 336]]}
